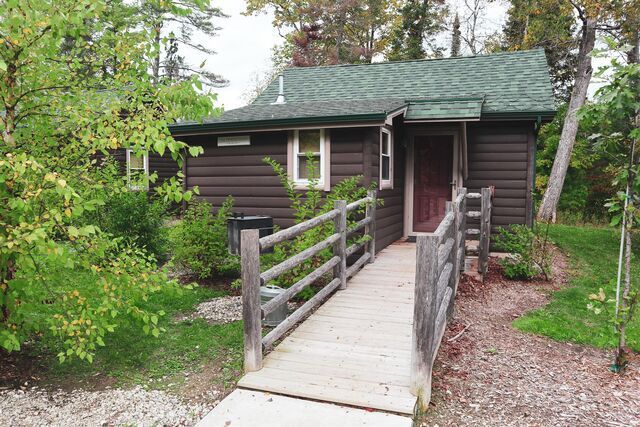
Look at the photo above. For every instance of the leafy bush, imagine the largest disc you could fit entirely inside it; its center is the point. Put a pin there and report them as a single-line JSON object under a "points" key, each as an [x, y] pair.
{"points": [[588, 182], [82, 296], [306, 204], [200, 241], [528, 252], [136, 217]]}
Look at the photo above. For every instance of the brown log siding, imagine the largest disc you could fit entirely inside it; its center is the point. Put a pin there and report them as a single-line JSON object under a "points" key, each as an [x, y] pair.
{"points": [[241, 172], [390, 216], [502, 154], [499, 154]]}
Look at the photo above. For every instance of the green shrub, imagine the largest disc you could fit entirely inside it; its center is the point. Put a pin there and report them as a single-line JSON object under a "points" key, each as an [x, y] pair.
{"points": [[306, 204], [136, 217], [527, 249], [200, 242]]}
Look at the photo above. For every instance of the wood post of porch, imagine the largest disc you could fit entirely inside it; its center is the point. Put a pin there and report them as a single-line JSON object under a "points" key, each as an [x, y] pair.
{"points": [[424, 318], [251, 310], [370, 229]]}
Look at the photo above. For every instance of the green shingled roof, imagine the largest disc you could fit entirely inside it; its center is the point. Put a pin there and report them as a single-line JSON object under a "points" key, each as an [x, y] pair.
{"points": [[445, 109], [514, 84]]}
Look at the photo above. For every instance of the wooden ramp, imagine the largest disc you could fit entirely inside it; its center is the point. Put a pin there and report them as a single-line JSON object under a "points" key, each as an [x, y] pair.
{"points": [[356, 348]]}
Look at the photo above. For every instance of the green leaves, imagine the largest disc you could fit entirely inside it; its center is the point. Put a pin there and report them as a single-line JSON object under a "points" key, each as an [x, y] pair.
{"points": [[75, 85]]}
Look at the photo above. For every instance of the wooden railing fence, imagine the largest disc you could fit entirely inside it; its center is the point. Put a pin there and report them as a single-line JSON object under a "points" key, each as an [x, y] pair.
{"points": [[440, 259], [483, 232], [251, 245]]}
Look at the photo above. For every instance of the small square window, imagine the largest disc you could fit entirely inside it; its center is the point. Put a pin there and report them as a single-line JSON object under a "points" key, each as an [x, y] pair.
{"points": [[386, 159]]}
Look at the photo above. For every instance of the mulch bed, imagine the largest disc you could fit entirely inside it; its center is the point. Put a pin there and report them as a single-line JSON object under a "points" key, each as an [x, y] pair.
{"points": [[493, 374]]}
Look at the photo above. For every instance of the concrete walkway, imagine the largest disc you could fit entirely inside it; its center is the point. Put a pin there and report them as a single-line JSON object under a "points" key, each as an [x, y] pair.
{"points": [[249, 408]]}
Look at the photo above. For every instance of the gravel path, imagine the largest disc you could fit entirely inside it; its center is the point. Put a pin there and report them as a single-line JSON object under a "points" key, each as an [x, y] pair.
{"points": [[495, 375], [136, 406]]}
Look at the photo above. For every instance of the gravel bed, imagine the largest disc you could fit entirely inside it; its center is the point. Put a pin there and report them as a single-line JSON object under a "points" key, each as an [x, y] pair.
{"points": [[495, 375], [224, 310], [36, 407]]}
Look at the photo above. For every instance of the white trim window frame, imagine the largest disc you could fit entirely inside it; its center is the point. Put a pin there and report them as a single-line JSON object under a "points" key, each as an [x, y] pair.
{"points": [[386, 153], [298, 156], [144, 169]]}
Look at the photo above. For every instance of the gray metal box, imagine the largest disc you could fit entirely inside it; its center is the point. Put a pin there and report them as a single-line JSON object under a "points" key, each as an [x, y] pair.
{"points": [[239, 222]]}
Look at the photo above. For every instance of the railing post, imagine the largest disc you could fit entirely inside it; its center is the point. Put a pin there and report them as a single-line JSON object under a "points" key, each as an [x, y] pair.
{"points": [[453, 258], [424, 317], [340, 247], [370, 229], [251, 314], [485, 230], [463, 230]]}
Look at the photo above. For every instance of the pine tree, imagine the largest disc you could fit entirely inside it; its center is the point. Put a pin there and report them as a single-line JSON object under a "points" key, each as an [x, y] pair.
{"points": [[176, 24], [455, 37], [552, 26], [420, 21]]}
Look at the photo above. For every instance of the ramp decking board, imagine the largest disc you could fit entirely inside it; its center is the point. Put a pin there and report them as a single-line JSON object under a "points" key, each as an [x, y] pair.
{"points": [[356, 348]]}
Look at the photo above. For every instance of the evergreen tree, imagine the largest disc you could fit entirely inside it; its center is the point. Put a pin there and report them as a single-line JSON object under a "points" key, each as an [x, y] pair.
{"points": [[415, 31], [174, 26], [551, 25], [455, 37]]}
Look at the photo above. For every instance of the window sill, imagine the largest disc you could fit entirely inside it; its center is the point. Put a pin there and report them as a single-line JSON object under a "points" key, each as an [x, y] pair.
{"points": [[386, 185], [305, 186]]}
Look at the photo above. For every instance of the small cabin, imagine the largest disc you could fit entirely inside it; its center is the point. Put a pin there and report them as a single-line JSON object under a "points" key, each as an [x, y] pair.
{"points": [[418, 129]]}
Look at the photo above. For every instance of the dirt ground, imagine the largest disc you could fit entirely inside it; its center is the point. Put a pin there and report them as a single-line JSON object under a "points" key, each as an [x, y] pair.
{"points": [[493, 374]]}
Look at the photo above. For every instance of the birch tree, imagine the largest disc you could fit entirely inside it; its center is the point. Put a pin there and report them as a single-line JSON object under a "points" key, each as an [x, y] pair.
{"points": [[594, 16], [617, 114]]}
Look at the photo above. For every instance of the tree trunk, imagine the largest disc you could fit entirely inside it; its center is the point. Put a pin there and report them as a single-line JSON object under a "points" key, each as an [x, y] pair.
{"points": [[620, 359], [155, 67], [551, 197]]}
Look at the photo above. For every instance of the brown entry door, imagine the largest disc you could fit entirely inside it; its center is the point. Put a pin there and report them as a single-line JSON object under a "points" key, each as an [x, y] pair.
{"points": [[433, 174]]}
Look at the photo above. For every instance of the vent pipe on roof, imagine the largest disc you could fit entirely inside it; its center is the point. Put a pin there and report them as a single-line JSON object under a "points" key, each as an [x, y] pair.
{"points": [[280, 98]]}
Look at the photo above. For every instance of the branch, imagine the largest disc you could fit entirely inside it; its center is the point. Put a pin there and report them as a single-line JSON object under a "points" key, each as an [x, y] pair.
{"points": [[581, 12]]}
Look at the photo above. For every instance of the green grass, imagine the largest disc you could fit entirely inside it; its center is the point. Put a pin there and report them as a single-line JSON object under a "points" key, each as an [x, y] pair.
{"points": [[593, 256], [130, 357]]}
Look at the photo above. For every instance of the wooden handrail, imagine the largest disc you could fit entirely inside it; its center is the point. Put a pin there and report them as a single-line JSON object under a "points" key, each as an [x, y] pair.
{"points": [[271, 240], [252, 279], [299, 314], [437, 273], [355, 248], [439, 260], [298, 259], [289, 293], [358, 203], [359, 225]]}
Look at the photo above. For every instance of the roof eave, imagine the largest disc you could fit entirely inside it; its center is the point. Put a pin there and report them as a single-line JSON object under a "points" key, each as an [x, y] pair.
{"points": [[177, 128], [543, 115]]}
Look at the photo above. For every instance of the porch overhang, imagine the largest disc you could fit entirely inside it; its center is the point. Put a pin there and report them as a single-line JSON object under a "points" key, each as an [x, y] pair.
{"points": [[444, 110]]}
